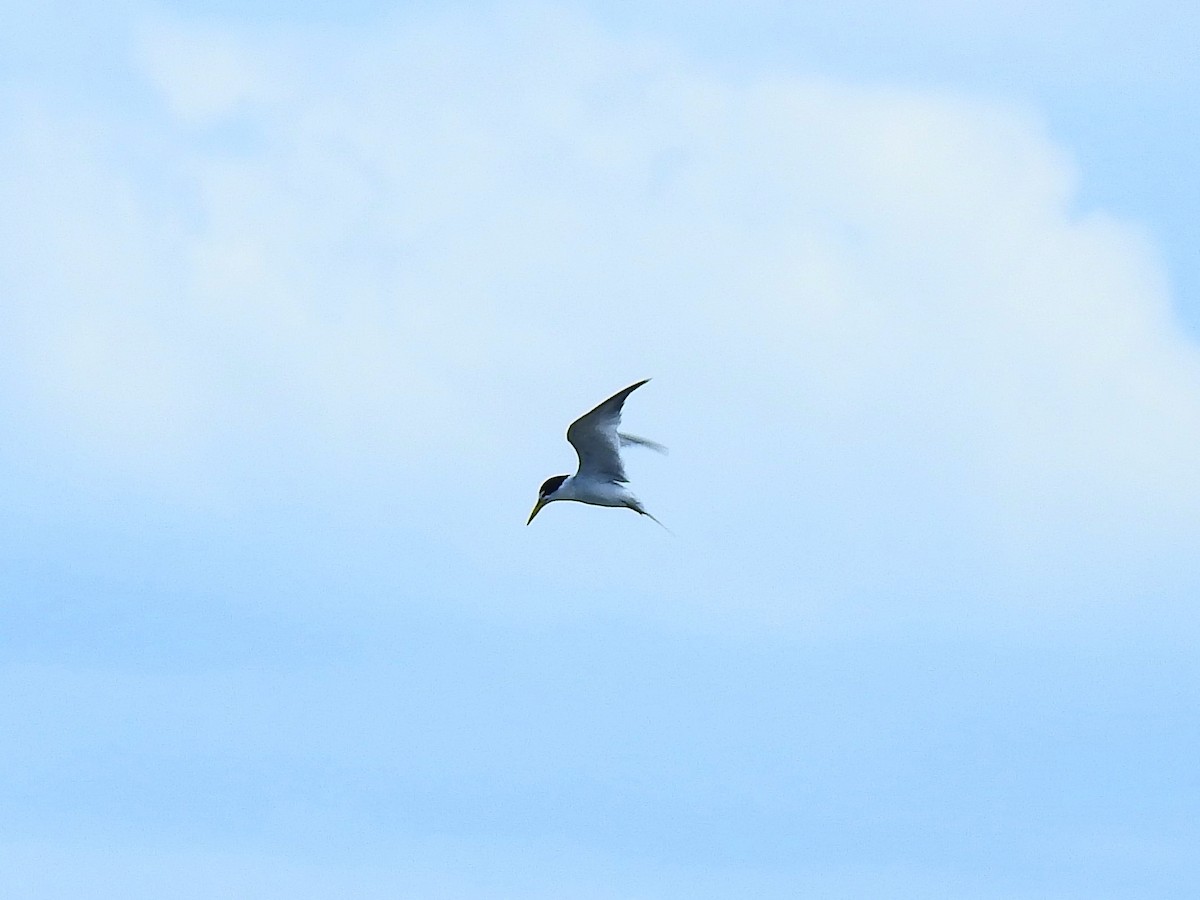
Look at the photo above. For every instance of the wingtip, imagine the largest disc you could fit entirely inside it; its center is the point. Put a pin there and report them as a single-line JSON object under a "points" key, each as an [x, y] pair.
{"points": [[635, 440]]}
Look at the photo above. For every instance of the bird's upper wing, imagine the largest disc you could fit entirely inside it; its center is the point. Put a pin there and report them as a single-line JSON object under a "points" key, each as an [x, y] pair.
{"points": [[596, 441], [632, 440]]}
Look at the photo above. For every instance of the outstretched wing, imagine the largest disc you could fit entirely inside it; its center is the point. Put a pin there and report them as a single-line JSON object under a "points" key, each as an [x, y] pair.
{"points": [[596, 440], [632, 440]]}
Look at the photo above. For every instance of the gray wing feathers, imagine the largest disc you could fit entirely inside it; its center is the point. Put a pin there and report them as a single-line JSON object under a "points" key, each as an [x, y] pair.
{"points": [[596, 440], [632, 440]]}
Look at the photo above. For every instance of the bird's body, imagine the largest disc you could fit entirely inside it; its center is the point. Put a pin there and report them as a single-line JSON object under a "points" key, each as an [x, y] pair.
{"points": [[595, 492], [600, 479]]}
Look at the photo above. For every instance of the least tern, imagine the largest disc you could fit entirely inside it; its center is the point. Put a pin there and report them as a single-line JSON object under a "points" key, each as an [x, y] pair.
{"points": [[600, 479]]}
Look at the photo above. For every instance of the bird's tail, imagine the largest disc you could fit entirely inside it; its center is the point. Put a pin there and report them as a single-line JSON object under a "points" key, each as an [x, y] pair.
{"points": [[641, 511], [660, 524]]}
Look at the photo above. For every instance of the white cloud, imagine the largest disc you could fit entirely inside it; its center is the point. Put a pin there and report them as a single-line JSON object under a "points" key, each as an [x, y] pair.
{"points": [[233, 71], [876, 311]]}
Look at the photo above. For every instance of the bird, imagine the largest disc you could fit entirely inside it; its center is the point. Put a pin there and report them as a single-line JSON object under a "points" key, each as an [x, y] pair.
{"points": [[600, 479]]}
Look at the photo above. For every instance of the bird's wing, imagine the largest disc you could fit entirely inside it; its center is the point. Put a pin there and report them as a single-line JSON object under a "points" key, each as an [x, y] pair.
{"points": [[596, 441], [632, 440]]}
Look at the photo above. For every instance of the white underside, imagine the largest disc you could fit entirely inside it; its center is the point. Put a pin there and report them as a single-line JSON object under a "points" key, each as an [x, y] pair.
{"points": [[597, 493]]}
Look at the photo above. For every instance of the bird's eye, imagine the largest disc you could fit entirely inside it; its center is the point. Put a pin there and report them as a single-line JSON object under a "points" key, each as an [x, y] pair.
{"points": [[550, 485]]}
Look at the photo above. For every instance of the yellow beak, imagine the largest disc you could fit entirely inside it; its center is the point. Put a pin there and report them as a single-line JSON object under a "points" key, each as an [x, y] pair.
{"points": [[536, 508]]}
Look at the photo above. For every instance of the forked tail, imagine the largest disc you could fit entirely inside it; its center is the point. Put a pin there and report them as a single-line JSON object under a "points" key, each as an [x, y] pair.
{"points": [[660, 524], [641, 511]]}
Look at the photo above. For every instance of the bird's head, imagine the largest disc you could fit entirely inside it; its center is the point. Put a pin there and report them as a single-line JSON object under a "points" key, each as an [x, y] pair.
{"points": [[546, 493]]}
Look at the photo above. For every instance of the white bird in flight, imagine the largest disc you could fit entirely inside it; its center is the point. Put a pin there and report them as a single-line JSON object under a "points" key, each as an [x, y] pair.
{"points": [[600, 479]]}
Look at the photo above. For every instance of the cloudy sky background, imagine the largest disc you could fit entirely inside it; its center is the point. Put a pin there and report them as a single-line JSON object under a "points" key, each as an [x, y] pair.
{"points": [[295, 306]]}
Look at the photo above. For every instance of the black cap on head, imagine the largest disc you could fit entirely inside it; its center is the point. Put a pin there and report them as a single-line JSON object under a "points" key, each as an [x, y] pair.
{"points": [[550, 485]]}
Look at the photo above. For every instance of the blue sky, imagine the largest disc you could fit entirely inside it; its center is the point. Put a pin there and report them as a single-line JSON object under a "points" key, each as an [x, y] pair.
{"points": [[297, 304]]}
